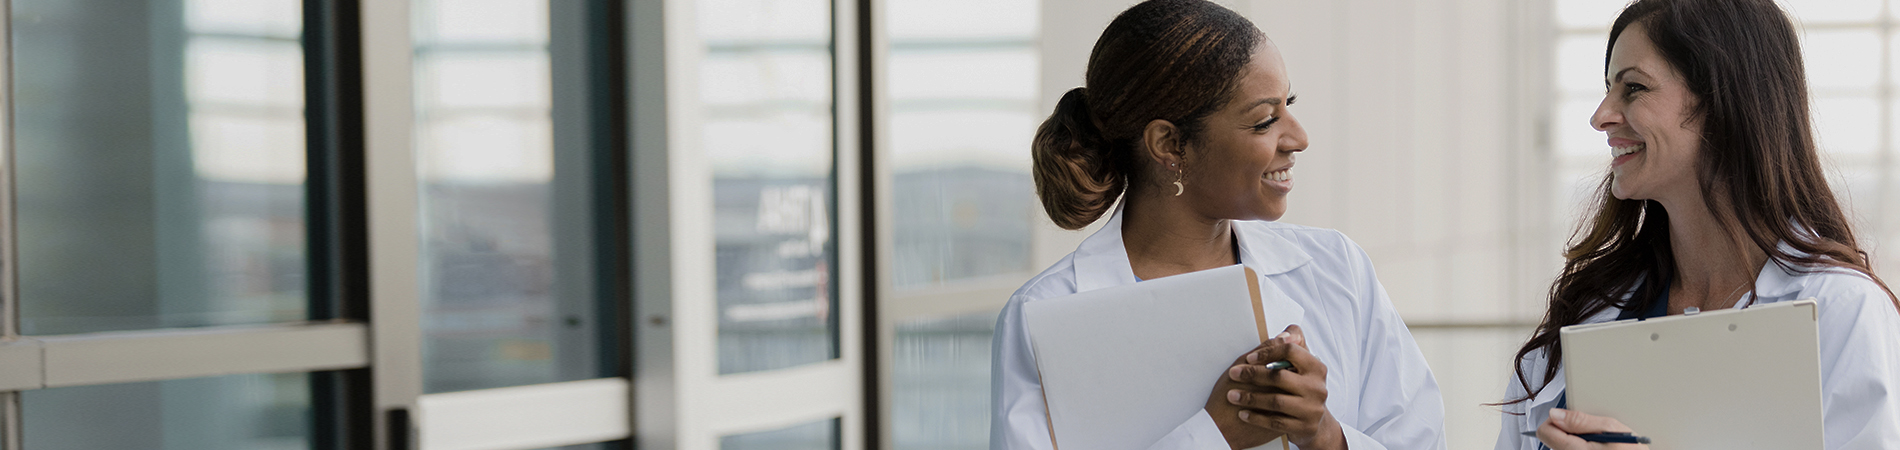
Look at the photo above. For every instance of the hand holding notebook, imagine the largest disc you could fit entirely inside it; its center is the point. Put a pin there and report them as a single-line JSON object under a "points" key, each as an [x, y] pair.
{"points": [[1122, 367]]}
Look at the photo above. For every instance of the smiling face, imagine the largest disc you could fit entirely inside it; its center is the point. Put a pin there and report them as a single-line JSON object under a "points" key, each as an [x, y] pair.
{"points": [[1648, 115], [1241, 168]]}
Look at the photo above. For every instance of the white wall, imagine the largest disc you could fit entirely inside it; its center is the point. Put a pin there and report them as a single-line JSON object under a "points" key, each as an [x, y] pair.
{"points": [[1424, 149]]}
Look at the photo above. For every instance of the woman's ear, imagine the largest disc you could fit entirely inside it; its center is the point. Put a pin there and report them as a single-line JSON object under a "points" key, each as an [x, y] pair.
{"points": [[1162, 142]]}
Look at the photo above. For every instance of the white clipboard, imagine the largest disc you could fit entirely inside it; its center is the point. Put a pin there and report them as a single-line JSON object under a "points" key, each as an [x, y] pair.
{"points": [[1729, 379], [1121, 367]]}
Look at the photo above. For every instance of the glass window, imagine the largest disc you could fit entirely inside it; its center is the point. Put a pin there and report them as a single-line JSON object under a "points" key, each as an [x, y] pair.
{"points": [[1842, 60], [1588, 13], [510, 291], [820, 435], [940, 383], [259, 411], [766, 89], [963, 92], [1834, 11], [1846, 124], [160, 163], [964, 82]]}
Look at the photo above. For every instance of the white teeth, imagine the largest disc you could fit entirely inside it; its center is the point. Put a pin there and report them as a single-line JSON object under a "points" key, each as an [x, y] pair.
{"points": [[1624, 150], [1280, 175]]}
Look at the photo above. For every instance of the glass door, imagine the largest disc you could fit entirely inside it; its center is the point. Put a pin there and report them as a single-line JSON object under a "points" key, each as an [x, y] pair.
{"points": [[162, 209], [518, 172], [753, 342]]}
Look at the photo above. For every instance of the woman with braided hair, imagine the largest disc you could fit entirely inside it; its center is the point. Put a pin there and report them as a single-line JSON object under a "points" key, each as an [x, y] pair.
{"points": [[1186, 123]]}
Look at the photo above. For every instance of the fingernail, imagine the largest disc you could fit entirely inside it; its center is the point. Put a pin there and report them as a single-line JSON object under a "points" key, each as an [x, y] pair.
{"points": [[1252, 358], [1284, 335], [1233, 395], [1558, 414], [1244, 414]]}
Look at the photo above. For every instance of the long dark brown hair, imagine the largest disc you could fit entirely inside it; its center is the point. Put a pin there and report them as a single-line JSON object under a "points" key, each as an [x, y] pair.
{"points": [[1758, 169], [1173, 60]]}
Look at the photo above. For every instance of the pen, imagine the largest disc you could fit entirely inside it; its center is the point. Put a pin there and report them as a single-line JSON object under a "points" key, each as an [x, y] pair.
{"points": [[1278, 365], [1608, 438]]}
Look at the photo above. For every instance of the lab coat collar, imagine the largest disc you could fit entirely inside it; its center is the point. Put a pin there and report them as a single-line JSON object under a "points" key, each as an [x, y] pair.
{"points": [[1772, 282], [1777, 281], [1266, 251], [1102, 259]]}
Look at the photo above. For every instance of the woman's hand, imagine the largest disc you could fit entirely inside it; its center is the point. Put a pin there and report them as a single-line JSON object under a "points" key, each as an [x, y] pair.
{"points": [[1226, 415], [1290, 402], [1560, 432]]}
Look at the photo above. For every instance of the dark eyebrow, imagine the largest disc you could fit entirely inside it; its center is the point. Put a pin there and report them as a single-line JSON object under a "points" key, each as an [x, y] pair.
{"points": [[1276, 101], [1619, 75]]}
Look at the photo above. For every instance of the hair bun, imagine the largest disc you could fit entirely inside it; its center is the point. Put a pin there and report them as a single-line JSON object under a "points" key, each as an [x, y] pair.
{"points": [[1073, 109], [1075, 175]]}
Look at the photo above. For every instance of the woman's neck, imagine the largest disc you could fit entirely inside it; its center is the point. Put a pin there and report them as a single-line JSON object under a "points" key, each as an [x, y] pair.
{"points": [[1714, 267], [1164, 237]]}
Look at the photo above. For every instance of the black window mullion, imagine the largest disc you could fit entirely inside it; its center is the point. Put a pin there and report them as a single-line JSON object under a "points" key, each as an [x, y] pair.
{"points": [[337, 230]]}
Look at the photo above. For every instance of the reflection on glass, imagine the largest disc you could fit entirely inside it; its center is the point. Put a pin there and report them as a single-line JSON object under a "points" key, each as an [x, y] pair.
{"points": [[509, 294], [963, 88], [256, 412], [820, 435], [160, 152], [766, 86], [940, 383]]}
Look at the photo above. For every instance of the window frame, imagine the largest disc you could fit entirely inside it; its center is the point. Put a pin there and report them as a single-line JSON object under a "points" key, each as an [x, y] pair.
{"points": [[680, 399], [361, 200], [332, 345]]}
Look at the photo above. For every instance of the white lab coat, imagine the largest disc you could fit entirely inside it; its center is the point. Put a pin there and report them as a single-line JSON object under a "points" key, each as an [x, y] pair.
{"points": [[1377, 383], [1860, 361]]}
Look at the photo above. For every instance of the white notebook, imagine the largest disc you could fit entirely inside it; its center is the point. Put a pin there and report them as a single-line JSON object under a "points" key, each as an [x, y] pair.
{"points": [[1729, 379], [1122, 367]]}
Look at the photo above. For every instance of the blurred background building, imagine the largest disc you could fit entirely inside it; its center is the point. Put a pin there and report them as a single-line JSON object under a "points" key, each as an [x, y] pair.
{"points": [[732, 224]]}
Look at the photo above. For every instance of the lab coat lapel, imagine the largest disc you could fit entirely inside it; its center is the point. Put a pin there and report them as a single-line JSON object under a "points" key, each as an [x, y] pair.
{"points": [[1101, 261], [1268, 254], [1545, 400], [1281, 310], [1775, 282]]}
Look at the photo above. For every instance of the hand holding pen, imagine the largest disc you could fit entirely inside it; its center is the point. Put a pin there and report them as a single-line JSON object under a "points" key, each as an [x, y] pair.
{"points": [[1607, 438], [1283, 389], [1568, 430]]}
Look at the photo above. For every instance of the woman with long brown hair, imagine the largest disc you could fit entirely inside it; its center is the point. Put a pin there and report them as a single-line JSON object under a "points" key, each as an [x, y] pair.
{"points": [[1186, 119], [1715, 199]]}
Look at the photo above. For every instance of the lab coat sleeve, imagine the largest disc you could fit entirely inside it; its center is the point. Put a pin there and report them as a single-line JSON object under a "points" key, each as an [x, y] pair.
{"points": [[1860, 367], [1198, 432], [1018, 418], [1401, 407]]}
